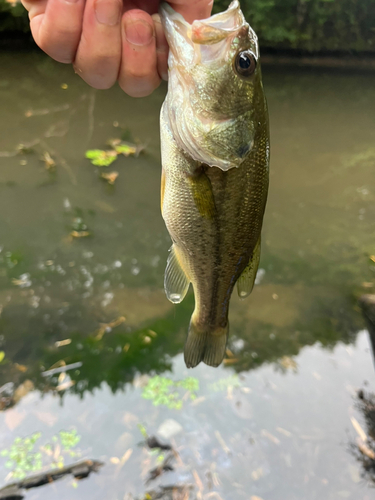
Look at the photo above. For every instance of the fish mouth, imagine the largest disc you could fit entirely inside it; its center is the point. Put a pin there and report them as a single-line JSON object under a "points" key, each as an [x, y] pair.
{"points": [[190, 38]]}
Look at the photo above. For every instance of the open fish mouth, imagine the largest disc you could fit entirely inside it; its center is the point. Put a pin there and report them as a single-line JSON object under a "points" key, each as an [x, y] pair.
{"points": [[203, 40]]}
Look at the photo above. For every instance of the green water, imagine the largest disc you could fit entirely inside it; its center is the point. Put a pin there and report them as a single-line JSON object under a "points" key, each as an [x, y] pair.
{"points": [[274, 422]]}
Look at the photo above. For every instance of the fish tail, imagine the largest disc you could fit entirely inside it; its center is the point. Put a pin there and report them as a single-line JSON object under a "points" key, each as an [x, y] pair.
{"points": [[207, 345]]}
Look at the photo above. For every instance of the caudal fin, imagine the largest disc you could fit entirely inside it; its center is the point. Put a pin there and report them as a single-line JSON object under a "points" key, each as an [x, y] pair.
{"points": [[205, 345]]}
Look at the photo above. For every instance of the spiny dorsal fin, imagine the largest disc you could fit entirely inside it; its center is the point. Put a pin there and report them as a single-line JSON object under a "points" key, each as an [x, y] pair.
{"points": [[245, 282], [176, 283]]}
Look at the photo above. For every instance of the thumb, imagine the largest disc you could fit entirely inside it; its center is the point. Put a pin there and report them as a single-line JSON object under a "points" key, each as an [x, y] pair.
{"points": [[193, 9]]}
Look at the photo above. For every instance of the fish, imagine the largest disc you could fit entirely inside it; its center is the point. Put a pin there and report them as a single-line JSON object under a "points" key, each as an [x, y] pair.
{"points": [[215, 152]]}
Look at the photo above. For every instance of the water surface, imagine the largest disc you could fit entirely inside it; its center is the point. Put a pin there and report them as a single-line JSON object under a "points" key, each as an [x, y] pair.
{"points": [[275, 420]]}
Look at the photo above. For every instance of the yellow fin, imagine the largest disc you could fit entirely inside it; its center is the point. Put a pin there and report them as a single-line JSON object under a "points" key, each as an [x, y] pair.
{"points": [[176, 283], [203, 196], [245, 282]]}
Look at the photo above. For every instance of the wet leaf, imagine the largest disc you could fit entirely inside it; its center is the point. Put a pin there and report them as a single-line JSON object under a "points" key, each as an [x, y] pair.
{"points": [[80, 234], [22, 390], [65, 385], [110, 177], [61, 343], [21, 368], [365, 450], [49, 162]]}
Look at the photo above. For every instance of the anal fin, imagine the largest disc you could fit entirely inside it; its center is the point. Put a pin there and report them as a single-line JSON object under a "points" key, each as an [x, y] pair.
{"points": [[176, 283], [245, 282]]}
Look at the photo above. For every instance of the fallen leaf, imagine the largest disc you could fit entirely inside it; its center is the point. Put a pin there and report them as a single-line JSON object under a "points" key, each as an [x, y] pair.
{"points": [[23, 389], [61, 343], [105, 327], [288, 363], [79, 234], [198, 480], [21, 368], [110, 177], [65, 385], [365, 450], [372, 257], [49, 162]]}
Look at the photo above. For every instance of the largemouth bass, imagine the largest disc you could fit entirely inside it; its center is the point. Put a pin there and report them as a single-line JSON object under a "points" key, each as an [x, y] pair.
{"points": [[215, 158]]}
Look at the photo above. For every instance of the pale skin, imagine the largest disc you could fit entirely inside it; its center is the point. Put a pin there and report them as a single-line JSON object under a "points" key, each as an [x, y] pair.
{"points": [[109, 40]]}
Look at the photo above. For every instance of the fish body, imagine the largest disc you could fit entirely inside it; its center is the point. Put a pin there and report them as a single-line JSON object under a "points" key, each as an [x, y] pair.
{"points": [[215, 158]]}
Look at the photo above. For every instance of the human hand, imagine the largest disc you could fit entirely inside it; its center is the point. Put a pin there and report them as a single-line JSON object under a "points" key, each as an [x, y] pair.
{"points": [[109, 40]]}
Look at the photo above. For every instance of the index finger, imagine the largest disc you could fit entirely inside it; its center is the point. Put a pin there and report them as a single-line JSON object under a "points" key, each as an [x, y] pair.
{"points": [[193, 9]]}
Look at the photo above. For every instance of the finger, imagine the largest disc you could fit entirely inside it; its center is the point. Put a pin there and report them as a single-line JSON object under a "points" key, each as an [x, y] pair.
{"points": [[138, 75], [34, 7], [99, 52], [193, 9], [56, 26], [161, 48]]}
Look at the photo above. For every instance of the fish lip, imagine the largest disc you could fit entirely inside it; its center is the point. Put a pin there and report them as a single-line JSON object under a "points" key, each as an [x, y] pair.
{"points": [[205, 31]]}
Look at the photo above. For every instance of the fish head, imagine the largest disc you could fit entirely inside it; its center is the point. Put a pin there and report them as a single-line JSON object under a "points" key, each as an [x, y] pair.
{"points": [[215, 96]]}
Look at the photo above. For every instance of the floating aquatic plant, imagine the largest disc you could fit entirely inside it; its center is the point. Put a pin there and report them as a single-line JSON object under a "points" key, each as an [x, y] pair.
{"points": [[165, 391], [101, 158], [23, 459]]}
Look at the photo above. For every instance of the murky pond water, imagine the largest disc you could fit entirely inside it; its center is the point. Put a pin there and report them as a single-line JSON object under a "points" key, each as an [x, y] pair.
{"points": [[276, 420]]}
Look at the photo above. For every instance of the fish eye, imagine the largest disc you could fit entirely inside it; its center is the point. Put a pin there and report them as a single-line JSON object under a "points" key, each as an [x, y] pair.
{"points": [[245, 63]]}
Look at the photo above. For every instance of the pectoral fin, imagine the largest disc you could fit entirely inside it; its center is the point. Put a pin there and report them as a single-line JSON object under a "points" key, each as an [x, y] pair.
{"points": [[176, 283], [245, 282]]}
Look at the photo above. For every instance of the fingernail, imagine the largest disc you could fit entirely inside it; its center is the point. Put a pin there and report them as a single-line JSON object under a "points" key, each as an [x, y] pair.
{"points": [[107, 12], [138, 32]]}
